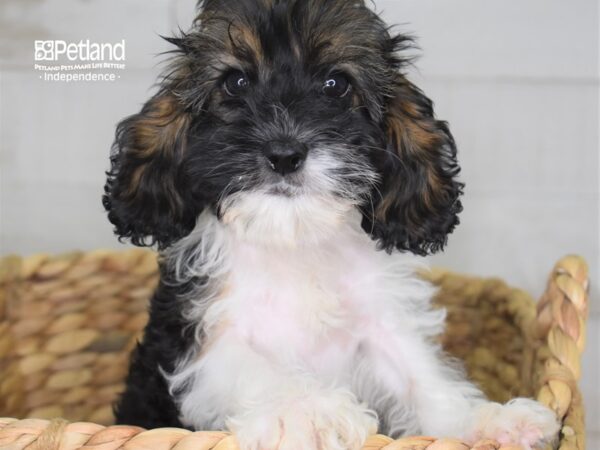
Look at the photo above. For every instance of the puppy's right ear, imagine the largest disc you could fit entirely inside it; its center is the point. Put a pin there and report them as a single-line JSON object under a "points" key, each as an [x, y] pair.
{"points": [[145, 191]]}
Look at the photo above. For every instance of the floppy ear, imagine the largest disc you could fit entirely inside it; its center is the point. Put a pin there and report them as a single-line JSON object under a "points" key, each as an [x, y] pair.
{"points": [[145, 193], [417, 202]]}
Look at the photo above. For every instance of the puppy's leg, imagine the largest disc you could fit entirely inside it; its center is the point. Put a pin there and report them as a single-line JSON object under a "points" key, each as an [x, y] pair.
{"points": [[146, 401], [303, 415], [443, 402], [270, 406]]}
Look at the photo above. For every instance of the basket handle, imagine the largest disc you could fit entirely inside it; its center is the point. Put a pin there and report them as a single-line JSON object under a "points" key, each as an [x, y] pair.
{"points": [[561, 321]]}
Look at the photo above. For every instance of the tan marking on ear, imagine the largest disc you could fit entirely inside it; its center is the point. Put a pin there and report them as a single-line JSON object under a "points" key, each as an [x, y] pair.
{"points": [[386, 203], [160, 127], [420, 140], [159, 130], [411, 137], [433, 185], [434, 188], [410, 133], [408, 108]]}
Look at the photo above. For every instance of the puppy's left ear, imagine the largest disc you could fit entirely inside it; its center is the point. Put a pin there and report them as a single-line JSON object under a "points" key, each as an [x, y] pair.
{"points": [[417, 201]]}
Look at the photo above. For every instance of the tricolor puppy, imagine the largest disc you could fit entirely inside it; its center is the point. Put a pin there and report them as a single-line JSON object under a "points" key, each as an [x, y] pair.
{"points": [[281, 168]]}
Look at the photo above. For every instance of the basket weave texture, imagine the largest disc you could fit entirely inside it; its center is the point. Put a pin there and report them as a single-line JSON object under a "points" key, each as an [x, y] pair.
{"points": [[68, 324]]}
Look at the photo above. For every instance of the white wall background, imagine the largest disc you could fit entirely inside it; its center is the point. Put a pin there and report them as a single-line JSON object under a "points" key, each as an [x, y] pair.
{"points": [[517, 80]]}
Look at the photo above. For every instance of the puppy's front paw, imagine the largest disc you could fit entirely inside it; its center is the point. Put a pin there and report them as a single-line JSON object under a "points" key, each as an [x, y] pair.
{"points": [[521, 421], [334, 422]]}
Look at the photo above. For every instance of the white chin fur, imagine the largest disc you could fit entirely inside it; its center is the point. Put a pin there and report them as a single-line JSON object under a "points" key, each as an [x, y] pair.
{"points": [[280, 220], [313, 209]]}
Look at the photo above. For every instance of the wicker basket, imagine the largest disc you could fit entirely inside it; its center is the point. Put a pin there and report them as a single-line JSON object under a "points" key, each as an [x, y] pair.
{"points": [[67, 325]]}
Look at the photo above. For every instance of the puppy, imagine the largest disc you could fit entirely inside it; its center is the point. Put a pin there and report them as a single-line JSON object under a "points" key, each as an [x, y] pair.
{"points": [[281, 169]]}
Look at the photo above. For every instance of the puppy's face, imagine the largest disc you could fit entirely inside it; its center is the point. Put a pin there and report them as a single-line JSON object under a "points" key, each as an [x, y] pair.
{"points": [[283, 116]]}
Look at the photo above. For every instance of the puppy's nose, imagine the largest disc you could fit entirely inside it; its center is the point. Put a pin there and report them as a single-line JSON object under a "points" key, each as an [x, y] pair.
{"points": [[285, 156]]}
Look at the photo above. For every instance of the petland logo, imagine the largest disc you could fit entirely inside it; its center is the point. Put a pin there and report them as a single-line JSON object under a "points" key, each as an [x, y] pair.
{"points": [[79, 61], [82, 51]]}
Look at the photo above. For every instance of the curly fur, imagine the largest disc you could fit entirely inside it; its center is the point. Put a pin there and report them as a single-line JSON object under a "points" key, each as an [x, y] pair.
{"points": [[278, 316]]}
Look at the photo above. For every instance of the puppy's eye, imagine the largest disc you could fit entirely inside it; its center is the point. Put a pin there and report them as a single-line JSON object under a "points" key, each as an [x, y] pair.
{"points": [[236, 83], [336, 85]]}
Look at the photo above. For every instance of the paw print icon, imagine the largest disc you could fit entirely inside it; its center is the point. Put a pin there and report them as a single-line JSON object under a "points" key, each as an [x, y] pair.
{"points": [[44, 50]]}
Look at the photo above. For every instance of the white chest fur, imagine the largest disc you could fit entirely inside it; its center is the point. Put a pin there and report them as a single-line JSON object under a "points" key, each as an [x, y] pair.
{"points": [[313, 340], [307, 308], [302, 305]]}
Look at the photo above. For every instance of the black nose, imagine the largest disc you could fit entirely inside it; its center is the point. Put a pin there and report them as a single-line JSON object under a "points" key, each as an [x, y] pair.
{"points": [[285, 156]]}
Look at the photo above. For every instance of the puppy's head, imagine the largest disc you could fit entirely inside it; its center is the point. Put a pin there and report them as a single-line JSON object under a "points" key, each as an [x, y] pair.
{"points": [[283, 116]]}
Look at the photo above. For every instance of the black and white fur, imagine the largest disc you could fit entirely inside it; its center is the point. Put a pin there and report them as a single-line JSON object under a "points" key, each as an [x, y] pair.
{"points": [[280, 167]]}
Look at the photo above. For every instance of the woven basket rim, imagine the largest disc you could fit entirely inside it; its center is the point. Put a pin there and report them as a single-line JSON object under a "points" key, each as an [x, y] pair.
{"points": [[564, 301]]}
